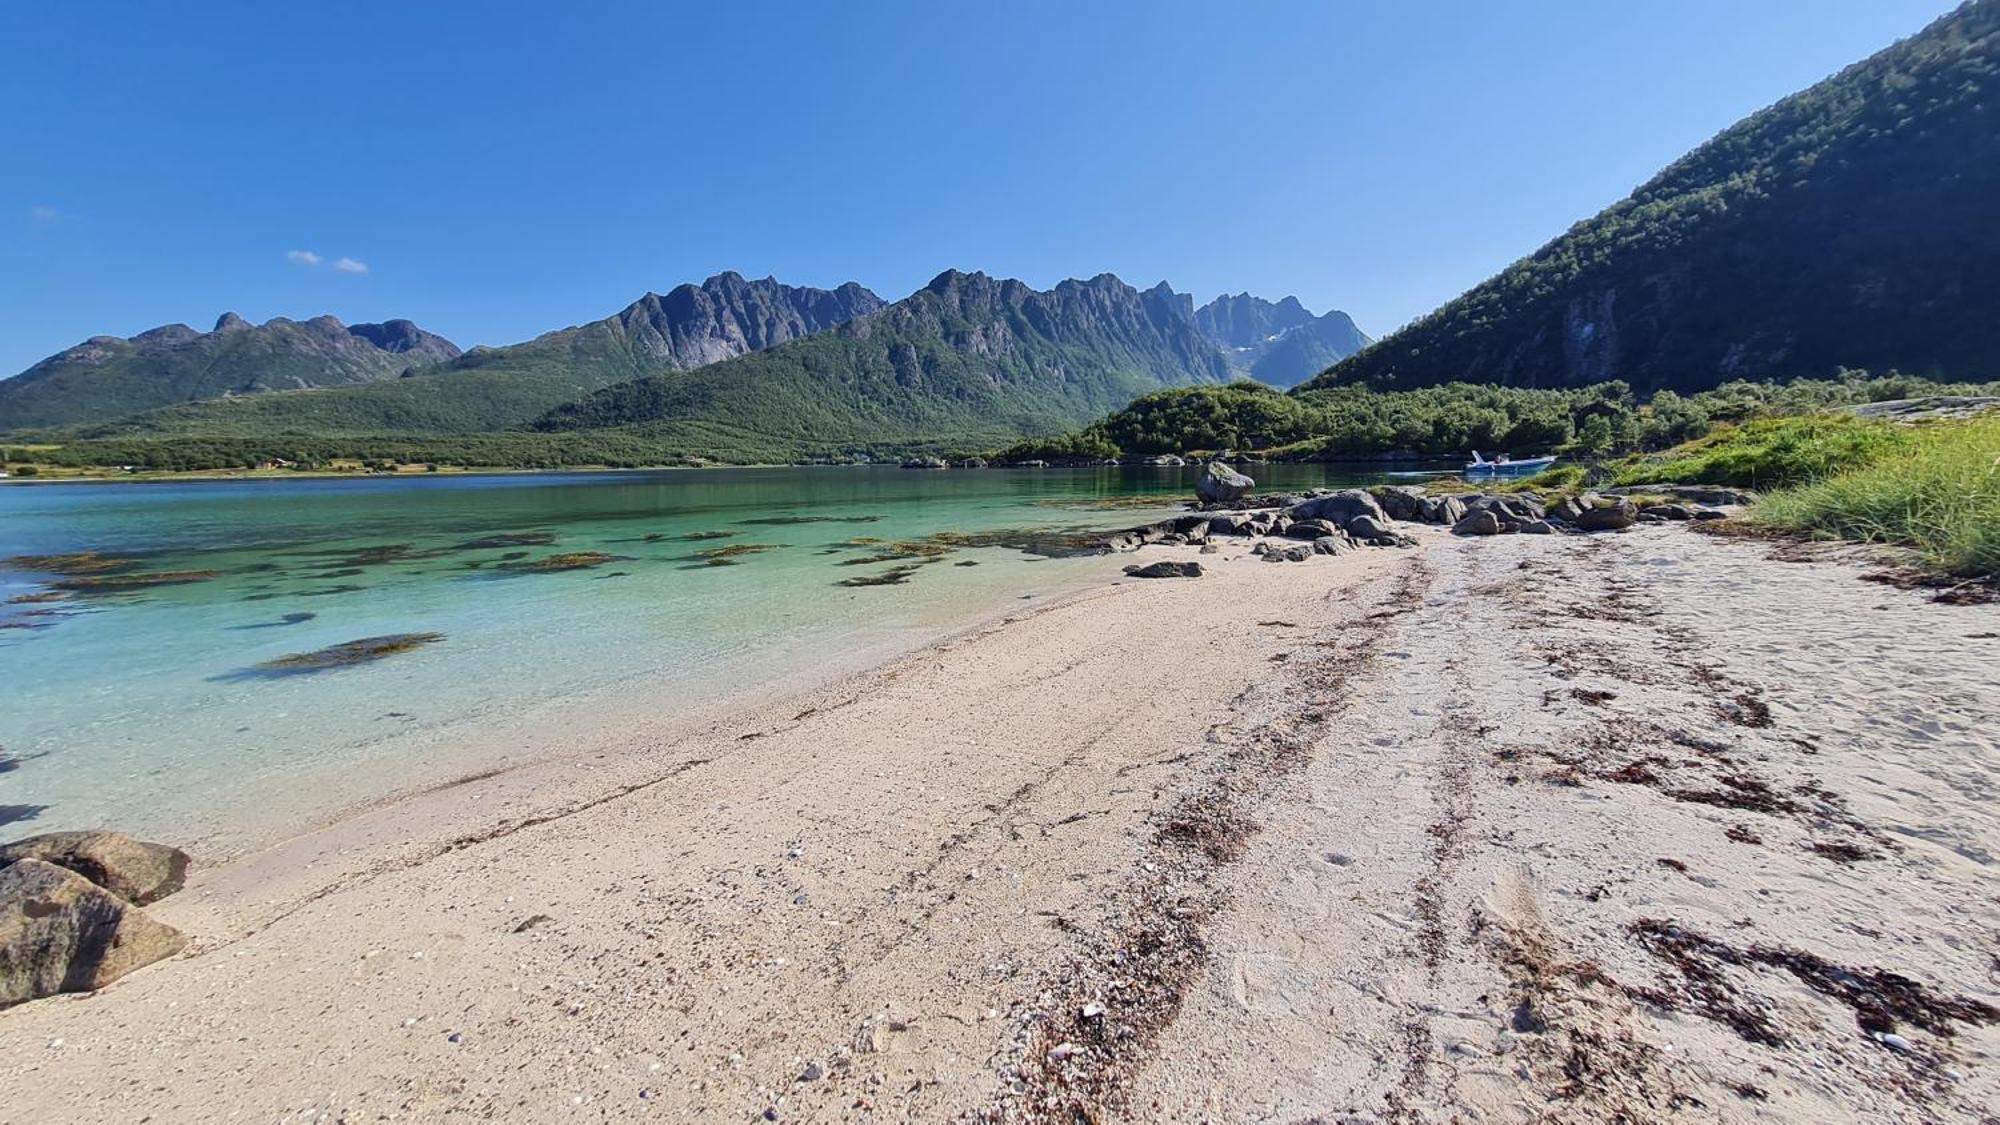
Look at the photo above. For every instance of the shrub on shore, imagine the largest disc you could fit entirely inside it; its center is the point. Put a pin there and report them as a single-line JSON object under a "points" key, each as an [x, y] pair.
{"points": [[1939, 496]]}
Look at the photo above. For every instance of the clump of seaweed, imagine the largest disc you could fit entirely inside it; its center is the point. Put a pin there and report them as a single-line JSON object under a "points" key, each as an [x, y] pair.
{"points": [[899, 551], [730, 554], [118, 583], [347, 654], [1053, 543], [73, 564], [516, 539], [38, 597], [894, 576], [697, 536], [787, 521], [574, 560]]}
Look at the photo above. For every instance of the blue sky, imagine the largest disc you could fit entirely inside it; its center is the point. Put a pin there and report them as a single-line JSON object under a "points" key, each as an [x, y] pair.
{"points": [[498, 169]]}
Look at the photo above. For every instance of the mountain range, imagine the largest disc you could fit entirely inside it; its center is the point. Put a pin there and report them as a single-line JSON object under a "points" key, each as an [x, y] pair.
{"points": [[1855, 223], [109, 376], [967, 355], [1279, 343]]}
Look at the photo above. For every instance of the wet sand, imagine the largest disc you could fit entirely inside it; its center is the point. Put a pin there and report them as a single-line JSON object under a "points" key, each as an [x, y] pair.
{"points": [[1645, 825]]}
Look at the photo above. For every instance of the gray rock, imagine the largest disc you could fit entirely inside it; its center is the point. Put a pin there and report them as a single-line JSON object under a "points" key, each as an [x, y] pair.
{"points": [[1710, 494], [1482, 522], [60, 932], [973, 463], [1608, 514], [1676, 512], [1311, 529], [1566, 509], [1538, 527], [1288, 554], [1444, 509], [1333, 545], [1710, 514], [133, 870], [926, 463], [1339, 507], [1220, 484], [1402, 501], [1368, 527], [1165, 568]]}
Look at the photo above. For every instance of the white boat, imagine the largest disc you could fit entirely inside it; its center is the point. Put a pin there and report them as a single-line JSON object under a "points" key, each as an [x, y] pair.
{"points": [[1506, 466]]}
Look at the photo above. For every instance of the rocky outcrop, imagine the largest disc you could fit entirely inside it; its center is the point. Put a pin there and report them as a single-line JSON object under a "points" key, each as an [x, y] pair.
{"points": [[1481, 522], [1607, 513], [134, 870], [60, 932], [926, 463], [1220, 484], [1711, 494], [1338, 508]]}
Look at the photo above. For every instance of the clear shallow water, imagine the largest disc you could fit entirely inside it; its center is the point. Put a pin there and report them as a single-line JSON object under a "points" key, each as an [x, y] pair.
{"points": [[146, 710]]}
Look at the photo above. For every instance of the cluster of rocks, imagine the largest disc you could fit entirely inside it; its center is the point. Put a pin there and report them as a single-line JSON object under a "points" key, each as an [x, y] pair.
{"points": [[1529, 514], [1321, 522], [69, 911], [1329, 522]]}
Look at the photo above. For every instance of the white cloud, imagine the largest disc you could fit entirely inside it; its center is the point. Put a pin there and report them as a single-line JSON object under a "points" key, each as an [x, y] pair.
{"points": [[44, 214], [302, 257], [349, 265]]}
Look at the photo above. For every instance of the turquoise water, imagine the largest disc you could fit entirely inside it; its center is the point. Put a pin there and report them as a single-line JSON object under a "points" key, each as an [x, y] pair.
{"points": [[146, 708]]}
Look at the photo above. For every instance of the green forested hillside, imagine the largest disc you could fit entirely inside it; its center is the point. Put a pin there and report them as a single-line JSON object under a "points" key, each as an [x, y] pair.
{"points": [[968, 359], [489, 389], [1856, 223], [107, 377]]}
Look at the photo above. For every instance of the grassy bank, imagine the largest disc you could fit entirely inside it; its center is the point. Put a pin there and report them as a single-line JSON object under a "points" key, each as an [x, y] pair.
{"points": [[1938, 495]]}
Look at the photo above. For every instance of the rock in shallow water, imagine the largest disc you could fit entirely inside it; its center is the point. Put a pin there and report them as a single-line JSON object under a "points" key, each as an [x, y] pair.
{"points": [[1219, 484], [59, 932]]}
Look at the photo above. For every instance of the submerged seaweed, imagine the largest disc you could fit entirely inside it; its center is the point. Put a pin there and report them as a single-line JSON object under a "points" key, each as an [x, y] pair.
{"points": [[287, 619], [699, 535], [713, 555], [517, 539], [76, 563], [575, 560], [38, 597], [115, 583], [347, 654], [894, 576], [787, 521]]}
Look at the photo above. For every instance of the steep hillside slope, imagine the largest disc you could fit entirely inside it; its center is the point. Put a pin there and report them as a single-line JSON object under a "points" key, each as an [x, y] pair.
{"points": [[108, 377], [1856, 223], [967, 358]]}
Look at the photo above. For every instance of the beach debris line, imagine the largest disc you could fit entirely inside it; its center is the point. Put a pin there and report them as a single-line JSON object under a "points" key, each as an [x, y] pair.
{"points": [[348, 653], [70, 917]]}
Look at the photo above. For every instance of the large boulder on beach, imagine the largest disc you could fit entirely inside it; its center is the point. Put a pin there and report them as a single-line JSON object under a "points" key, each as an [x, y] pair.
{"points": [[1311, 529], [134, 870], [1443, 509], [1338, 507], [1481, 522], [1165, 568], [1405, 502], [1609, 513], [60, 932], [1220, 484]]}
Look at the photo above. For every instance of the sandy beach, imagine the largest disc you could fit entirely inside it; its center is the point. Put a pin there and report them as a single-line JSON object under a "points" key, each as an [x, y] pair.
{"points": [[1629, 827]]}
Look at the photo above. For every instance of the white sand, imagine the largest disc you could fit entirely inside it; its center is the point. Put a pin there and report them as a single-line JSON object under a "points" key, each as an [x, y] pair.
{"points": [[1347, 837]]}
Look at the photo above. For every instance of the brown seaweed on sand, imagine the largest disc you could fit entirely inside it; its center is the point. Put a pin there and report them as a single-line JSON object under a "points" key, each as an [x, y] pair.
{"points": [[894, 576], [76, 563]]}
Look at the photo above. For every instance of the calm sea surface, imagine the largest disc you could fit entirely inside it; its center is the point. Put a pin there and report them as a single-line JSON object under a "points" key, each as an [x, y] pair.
{"points": [[153, 709]]}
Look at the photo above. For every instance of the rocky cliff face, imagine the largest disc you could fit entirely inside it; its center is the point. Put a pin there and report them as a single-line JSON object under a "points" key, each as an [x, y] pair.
{"points": [[689, 327], [108, 376]]}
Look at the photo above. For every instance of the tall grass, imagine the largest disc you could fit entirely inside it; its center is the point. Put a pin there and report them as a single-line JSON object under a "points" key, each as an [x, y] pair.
{"points": [[1939, 495], [1772, 452]]}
